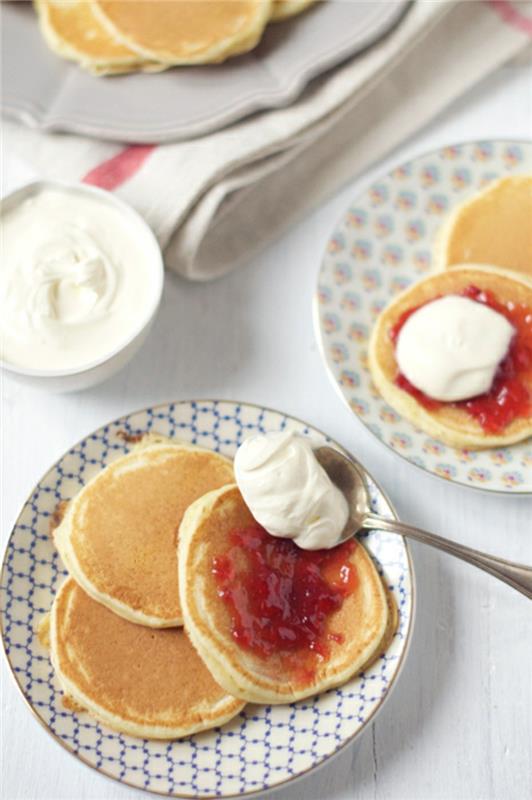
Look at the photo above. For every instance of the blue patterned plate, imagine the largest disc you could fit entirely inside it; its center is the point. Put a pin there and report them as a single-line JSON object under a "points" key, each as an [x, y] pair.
{"points": [[264, 746], [382, 245]]}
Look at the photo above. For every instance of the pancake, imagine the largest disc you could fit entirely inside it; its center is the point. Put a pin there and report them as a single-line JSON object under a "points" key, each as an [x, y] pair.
{"points": [[119, 534], [282, 9], [492, 227], [362, 620], [185, 32], [144, 682], [73, 32], [449, 424]]}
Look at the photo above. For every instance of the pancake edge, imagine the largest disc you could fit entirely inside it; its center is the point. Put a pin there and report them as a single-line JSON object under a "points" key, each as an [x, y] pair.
{"points": [[62, 540], [64, 49], [409, 408], [228, 672], [441, 239], [119, 724], [284, 9], [69, 558], [241, 43]]}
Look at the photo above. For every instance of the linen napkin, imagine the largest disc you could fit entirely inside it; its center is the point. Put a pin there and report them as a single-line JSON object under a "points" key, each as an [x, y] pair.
{"points": [[215, 200]]}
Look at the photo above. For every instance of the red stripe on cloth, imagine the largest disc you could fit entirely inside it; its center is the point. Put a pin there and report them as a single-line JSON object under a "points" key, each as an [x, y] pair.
{"points": [[117, 170], [512, 16]]}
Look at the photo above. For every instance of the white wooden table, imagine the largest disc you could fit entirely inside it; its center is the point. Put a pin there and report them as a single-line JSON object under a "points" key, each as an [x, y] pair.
{"points": [[459, 722]]}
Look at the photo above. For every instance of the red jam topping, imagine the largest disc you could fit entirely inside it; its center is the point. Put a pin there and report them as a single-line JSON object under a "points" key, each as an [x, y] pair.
{"points": [[509, 396], [281, 597]]}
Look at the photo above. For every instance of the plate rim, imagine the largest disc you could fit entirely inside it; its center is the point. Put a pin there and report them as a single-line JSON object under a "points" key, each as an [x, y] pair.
{"points": [[27, 112], [319, 333], [254, 792]]}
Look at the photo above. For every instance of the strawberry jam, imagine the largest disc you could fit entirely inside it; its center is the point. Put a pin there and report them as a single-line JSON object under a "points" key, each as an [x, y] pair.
{"points": [[281, 597], [509, 396]]}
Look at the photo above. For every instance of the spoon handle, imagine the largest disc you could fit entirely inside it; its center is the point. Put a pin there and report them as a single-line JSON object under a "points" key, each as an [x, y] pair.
{"points": [[518, 576]]}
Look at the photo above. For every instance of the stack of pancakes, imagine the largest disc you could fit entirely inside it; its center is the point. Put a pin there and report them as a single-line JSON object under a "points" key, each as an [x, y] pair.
{"points": [[139, 541], [117, 36], [485, 242]]}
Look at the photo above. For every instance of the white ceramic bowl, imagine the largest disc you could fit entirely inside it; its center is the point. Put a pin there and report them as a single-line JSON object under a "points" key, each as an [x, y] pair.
{"points": [[72, 380]]}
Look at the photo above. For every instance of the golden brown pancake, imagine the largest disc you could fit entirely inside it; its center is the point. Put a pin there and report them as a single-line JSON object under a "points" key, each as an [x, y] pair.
{"points": [[43, 631], [282, 9], [362, 620], [72, 31], [492, 227], [452, 425], [136, 680], [186, 31], [118, 538]]}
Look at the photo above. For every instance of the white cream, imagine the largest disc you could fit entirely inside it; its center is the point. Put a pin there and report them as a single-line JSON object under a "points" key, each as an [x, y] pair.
{"points": [[451, 348], [288, 491], [76, 280]]}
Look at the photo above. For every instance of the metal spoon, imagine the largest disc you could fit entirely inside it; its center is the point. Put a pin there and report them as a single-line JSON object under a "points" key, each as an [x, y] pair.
{"points": [[351, 479]]}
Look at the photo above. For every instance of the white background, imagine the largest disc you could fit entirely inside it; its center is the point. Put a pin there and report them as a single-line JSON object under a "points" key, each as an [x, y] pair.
{"points": [[459, 722]]}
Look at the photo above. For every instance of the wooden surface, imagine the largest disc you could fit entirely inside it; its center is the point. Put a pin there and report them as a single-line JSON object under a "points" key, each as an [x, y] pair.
{"points": [[459, 722]]}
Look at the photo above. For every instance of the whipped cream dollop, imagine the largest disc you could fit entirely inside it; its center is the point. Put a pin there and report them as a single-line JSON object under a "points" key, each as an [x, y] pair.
{"points": [[75, 280], [288, 491], [451, 348]]}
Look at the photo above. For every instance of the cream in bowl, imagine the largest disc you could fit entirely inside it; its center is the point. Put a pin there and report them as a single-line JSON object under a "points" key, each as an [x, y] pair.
{"points": [[81, 281]]}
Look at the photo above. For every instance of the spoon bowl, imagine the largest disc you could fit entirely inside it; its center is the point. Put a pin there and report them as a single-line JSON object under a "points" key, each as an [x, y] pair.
{"points": [[350, 478]]}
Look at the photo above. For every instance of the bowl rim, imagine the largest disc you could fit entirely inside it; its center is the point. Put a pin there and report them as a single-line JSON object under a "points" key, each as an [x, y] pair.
{"points": [[350, 739], [12, 199]]}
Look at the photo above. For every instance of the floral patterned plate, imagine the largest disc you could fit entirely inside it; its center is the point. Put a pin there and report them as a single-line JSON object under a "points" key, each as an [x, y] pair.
{"points": [[264, 746], [381, 246]]}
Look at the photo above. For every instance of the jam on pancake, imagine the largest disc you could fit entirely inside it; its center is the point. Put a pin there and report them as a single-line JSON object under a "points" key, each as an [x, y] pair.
{"points": [[508, 397], [281, 598]]}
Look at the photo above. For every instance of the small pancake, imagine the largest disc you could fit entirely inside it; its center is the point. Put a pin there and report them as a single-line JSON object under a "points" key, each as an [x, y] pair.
{"points": [[72, 31], [140, 681], [451, 425], [282, 9], [118, 537], [187, 31], [492, 227], [362, 619]]}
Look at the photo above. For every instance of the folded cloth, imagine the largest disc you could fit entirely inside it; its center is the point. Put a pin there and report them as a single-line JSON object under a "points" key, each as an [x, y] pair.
{"points": [[215, 200]]}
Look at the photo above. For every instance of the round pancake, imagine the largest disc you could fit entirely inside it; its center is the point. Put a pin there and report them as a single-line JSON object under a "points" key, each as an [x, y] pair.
{"points": [[134, 679], [72, 31], [451, 425], [282, 9], [492, 227], [118, 537], [362, 619], [185, 32]]}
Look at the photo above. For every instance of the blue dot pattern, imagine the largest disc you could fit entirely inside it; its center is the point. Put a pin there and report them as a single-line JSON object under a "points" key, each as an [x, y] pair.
{"points": [[262, 747]]}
